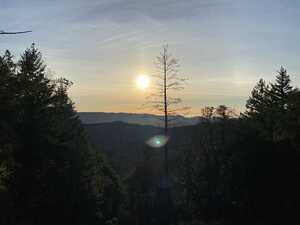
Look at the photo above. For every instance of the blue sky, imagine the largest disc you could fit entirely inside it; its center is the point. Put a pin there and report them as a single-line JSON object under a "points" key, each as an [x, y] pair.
{"points": [[224, 46]]}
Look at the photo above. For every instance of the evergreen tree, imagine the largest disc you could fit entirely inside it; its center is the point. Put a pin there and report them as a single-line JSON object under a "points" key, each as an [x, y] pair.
{"points": [[268, 105], [281, 89], [258, 102], [7, 133], [50, 171]]}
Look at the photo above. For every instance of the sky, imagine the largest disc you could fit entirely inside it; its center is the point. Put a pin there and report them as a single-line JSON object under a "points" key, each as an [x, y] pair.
{"points": [[223, 46]]}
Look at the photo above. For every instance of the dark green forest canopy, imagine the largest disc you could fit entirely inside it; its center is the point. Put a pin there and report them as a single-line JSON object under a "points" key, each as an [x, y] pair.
{"points": [[49, 173], [236, 170], [231, 170]]}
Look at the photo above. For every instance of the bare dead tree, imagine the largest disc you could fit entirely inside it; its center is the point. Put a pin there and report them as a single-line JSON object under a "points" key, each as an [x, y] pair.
{"points": [[223, 112], [207, 112], [162, 99], [16, 32]]}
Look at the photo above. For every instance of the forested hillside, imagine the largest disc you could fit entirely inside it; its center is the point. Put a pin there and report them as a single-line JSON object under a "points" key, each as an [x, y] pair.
{"points": [[228, 169], [49, 173]]}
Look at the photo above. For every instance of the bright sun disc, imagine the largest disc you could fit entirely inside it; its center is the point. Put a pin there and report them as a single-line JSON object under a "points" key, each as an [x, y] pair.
{"points": [[143, 81]]}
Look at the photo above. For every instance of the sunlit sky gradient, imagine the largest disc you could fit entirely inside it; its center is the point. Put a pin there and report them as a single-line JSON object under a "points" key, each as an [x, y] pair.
{"points": [[224, 46]]}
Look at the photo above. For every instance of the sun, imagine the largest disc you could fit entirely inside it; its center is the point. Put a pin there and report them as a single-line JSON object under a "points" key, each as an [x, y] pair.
{"points": [[143, 81]]}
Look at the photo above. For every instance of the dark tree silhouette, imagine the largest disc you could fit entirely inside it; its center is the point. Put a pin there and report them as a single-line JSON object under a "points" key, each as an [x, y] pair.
{"points": [[16, 32], [162, 100], [268, 104], [49, 173]]}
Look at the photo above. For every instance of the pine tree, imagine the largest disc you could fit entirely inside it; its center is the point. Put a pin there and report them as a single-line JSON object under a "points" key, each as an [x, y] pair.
{"points": [[51, 168], [7, 133], [7, 78], [268, 105], [258, 102], [280, 90]]}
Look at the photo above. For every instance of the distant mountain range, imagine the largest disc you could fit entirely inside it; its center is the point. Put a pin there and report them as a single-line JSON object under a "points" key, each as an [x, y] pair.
{"points": [[125, 145], [132, 118]]}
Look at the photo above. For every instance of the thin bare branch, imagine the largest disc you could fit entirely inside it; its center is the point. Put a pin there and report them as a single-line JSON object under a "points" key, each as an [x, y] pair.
{"points": [[16, 32]]}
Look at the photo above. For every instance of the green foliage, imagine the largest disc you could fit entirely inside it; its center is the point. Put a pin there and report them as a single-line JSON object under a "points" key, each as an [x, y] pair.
{"points": [[269, 104], [245, 170], [281, 89], [225, 169], [49, 173], [258, 102]]}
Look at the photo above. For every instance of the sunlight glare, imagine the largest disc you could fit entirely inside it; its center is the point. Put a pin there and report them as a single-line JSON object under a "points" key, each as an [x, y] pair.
{"points": [[142, 82]]}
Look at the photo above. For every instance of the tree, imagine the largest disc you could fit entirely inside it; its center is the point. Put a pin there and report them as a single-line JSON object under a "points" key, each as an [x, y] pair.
{"points": [[47, 166], [268, 105], [292, 117], [8, 139], [7, 78], [207, 112], [258, 102], [162, 100], [281, 89], [224, 112]]}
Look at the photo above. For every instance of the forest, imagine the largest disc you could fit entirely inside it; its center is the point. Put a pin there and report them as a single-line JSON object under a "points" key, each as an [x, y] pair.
{"points": [[228, 169]]}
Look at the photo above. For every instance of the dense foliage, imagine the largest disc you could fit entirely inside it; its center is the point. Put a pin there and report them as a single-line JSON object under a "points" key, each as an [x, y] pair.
{"points": [[49, 173], [228, 169], [245, 170]]}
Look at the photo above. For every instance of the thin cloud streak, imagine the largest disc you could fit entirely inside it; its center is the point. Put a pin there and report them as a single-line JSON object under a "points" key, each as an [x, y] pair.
{"points": [[224, 46]]}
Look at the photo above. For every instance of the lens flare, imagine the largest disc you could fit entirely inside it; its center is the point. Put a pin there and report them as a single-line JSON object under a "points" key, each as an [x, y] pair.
{"points": [[157, 141]]}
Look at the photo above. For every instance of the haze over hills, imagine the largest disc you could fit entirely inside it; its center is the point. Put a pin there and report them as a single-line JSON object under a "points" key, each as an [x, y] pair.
{"points": [[133, 118], [125, 145]]}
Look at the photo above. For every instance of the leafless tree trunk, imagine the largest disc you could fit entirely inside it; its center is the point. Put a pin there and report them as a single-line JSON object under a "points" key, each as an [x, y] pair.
{"points": [[161, 100], [165, 111]]}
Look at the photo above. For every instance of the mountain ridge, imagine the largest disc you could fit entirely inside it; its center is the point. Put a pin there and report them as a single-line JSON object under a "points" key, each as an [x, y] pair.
{"points": [[135, 118]]}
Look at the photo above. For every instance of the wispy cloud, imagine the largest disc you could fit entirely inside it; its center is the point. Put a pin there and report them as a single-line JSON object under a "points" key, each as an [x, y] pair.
{"points": [[225, 45]]}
